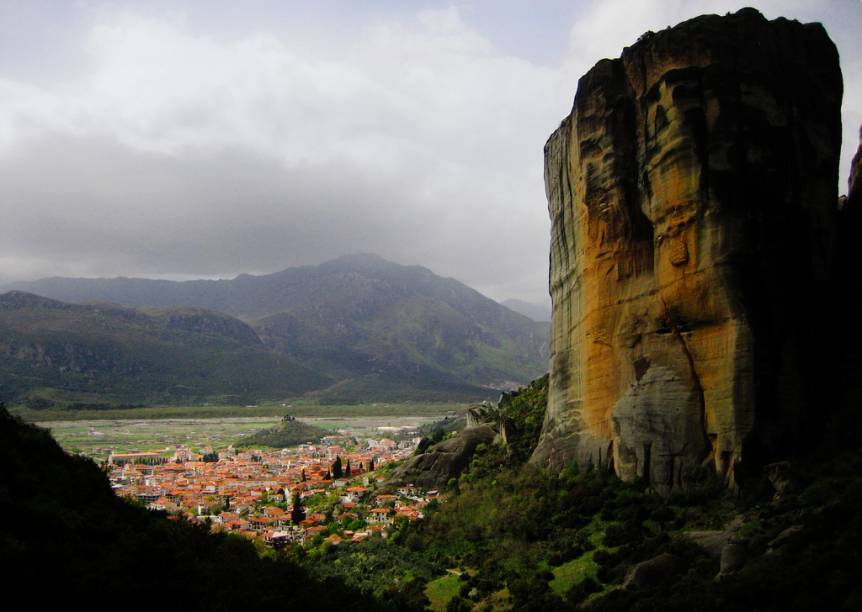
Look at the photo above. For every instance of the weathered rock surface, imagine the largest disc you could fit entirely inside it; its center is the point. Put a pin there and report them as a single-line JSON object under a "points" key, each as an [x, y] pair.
{"points": [[780, 476], [653, 572], [712, 540], [733, 557], [784, 537], [444, 460], [692, 192], [485, 413]]}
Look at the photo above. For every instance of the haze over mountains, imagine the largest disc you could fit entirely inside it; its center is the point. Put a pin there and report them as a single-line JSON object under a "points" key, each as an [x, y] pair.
{"points": [[534, 310], [352, 329]]}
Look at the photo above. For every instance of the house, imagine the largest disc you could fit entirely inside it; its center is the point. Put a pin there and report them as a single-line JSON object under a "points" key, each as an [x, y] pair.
{"points": [[379, 516], [383, 500]]}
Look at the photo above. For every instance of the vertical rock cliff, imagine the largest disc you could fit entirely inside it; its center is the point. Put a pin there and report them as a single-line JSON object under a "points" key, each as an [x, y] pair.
{"points": [[692, 192]]}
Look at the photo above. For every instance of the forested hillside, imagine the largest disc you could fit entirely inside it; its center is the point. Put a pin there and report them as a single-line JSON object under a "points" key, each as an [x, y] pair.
{"points": [[369, 329], [53, 353]]}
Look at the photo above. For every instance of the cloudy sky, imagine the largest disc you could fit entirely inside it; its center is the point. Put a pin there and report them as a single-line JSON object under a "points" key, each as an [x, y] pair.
{"points": [[205, 139]]}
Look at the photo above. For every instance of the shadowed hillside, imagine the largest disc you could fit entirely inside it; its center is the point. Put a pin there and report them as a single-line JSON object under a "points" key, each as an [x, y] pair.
{"points": [[65, 535]]}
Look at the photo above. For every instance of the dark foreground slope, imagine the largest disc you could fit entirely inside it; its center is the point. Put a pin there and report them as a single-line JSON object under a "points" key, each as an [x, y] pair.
{"points": [[383, 331], [65, 536], [111, 354]]}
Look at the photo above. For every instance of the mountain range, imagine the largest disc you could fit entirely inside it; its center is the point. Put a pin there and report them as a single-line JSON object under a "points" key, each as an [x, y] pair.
{"points": [[356, 328]]}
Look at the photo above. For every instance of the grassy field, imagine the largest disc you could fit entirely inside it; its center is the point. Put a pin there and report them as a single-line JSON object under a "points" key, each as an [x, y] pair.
{"points": [[571, 573], [298, 409], [442, 590], [97, 438]]}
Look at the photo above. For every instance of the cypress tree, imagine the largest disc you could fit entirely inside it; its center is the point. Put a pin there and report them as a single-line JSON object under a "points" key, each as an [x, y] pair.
{"points": [[297, 513]]}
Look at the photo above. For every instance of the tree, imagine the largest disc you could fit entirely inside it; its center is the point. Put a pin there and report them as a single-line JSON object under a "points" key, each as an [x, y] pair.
{"points": [[371, 465], [347, 470], [336, 468], [327, 476], [297, 512], [302, 477]]}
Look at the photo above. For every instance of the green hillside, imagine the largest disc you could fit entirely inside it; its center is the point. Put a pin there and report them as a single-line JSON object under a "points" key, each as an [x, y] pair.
{"points": [[511, 536], [289, 432], [376, 330], [99, 355]]}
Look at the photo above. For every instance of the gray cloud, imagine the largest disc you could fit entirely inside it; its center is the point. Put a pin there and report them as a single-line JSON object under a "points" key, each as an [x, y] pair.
{"points": [[165, 144]]}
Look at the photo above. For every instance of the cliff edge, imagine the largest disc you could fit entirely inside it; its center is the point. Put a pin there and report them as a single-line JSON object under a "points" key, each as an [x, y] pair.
{"points": [[692, 192]]}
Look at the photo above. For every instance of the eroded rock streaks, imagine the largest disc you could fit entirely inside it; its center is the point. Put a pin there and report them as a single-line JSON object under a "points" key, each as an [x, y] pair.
{"points": [[692, 192]]}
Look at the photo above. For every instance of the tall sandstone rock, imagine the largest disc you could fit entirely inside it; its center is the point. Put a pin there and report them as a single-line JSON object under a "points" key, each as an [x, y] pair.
{"points": [[692, 192]]}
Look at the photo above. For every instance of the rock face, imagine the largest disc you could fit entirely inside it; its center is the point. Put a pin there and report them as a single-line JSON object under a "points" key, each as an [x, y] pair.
{"points": [[653, 572], [445, 460], [692, 192]]}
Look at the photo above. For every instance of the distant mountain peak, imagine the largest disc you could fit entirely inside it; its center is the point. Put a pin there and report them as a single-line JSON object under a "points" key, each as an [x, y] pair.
{"points": [[370, 327], [361, 259]]}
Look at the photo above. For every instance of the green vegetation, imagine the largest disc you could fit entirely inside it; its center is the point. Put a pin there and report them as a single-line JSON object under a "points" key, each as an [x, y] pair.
{"points": [[507, 536], [523, 414], [443, 590], [99, 357], [98, 437], [289, 432], [356, 329], [536, 540], [569, 574]]}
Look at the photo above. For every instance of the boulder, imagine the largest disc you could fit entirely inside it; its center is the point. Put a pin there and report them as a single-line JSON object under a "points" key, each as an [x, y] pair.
{"points": [[712, 541], [733, 557], [783, 538], [653, 572], [442, 461]]}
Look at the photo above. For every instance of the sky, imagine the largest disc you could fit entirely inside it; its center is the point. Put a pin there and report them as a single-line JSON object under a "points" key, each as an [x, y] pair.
{"points": [[212, 138]]}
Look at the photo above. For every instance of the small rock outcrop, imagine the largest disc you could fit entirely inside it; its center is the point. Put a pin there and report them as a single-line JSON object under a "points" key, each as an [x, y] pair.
{"points": [[442, 461], [692, 192], [653, 572], [485, 413], [733, 557]]}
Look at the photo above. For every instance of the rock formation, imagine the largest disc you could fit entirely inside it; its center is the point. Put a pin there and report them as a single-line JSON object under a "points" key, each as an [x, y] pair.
{"points": [[443, 461], [692, 194]]}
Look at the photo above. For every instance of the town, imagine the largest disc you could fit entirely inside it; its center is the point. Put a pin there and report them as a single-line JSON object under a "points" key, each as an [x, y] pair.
{"points": [[311, 494]]}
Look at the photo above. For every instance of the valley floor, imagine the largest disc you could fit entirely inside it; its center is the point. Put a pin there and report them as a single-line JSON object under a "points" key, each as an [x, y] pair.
{"points": [[274, 409], [98, 438]]}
